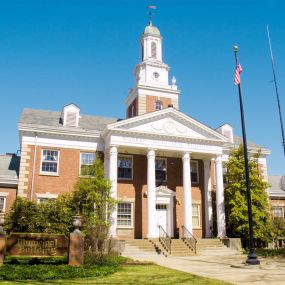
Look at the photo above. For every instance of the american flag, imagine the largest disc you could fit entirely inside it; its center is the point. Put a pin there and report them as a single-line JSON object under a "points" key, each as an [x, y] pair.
{"points": [[237, 74], [151, 7]]}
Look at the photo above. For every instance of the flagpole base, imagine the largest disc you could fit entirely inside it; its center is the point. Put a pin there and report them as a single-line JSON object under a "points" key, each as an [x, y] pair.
{"points": [[252, 259]]}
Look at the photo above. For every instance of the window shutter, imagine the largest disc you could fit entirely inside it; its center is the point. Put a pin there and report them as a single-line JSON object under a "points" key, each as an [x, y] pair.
{"points": [[71, 119]]}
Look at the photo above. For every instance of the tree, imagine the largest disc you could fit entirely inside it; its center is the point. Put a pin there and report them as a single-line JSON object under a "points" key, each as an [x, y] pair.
{"points": [[236, 199], [92, 196]]}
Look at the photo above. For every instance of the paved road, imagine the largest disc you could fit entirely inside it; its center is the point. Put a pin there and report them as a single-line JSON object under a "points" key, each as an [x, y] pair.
{"points": [[230, 268]]}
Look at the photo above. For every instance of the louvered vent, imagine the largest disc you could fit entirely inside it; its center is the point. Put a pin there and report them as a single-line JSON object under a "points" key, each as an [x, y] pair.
{"points": [[283, 183], [71, 119]]}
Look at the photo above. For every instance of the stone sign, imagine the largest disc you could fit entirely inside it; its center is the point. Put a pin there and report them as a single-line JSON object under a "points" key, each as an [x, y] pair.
{"points": [[38, 245]]}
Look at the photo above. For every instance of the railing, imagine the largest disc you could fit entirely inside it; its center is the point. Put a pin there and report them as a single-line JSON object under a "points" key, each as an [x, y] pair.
{"points": [[165, 239], [189, 238]]}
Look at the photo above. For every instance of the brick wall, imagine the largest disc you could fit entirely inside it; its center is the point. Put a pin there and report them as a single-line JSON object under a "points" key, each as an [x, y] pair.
{"points": [[10, 198]]}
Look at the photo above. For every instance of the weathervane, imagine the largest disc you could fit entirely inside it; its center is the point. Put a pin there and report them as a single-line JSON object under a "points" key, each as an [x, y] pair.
{"points": [[150, 13]]}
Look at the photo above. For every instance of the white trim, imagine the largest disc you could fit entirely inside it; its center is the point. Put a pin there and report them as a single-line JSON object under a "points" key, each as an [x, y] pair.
{"points": [[199, 216], [66, 143], [46, 172], [2, 195], [46, 195], [132, 215], [132, 159], [275, 206], [165, 159], [197, 165], [85, 152]]}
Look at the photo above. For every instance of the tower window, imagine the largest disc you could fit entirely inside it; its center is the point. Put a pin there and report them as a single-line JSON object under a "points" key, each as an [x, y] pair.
{"points": [[158, 105], [153, 49]]}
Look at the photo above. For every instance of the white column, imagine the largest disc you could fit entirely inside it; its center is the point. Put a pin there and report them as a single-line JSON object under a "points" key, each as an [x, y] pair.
{"points": [[208, 198], [221, 222], [151, 207], [113, 174], [187, 192]]}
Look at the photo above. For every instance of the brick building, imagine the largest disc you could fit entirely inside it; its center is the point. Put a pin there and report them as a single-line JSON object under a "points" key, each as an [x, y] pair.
{"points": [[164, 166]]}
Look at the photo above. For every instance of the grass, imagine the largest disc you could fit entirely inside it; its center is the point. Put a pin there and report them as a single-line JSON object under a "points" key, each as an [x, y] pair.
{"points": [[134, 274], [268, 252]]}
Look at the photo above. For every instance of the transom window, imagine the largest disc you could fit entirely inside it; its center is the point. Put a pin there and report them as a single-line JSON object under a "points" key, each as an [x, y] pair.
{"points": [[2, 204], [86, 162], [44, 200], [158, 105], [124, 214], [160, 169], [153, 49], [49, 161], [125, 164], [194, 171], [196, 216], [278, 212]]}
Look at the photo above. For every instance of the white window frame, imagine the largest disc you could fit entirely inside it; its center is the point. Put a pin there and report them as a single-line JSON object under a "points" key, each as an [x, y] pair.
{"points": [[132, 215], [156, 105], [279, 207], [46, 172], [165, 161], [4, 195], [132, 168], [197, 167], [80, 159], [199, 215], [46, 196]]}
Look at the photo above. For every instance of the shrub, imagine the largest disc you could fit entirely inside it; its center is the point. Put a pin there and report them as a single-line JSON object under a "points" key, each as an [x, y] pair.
{"points": [[48, 272]]}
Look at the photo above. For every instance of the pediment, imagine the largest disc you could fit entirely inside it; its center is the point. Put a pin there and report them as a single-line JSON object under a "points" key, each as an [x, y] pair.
{"points": [[168, 122], [163, 191]]}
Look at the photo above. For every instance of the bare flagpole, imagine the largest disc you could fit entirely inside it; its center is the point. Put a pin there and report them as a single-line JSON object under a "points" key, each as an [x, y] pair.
{"points": [[276, 90]]}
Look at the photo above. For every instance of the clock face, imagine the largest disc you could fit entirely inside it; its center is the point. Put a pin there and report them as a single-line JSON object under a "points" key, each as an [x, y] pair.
{"points": [[155, 75]]}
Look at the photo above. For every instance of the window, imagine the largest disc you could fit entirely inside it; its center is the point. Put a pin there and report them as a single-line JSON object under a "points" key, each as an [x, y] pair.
{"points": [[160, 169], [124, 214], [86, 162], [194, 171], [49, 161], [2, 204], [278, 212], [158, 105], [44, 200], [196, 216], [153, 50], [125, 164]]}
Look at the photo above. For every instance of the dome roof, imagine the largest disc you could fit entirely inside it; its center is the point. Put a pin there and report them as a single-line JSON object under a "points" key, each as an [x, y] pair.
{"points": [[150, 29]]}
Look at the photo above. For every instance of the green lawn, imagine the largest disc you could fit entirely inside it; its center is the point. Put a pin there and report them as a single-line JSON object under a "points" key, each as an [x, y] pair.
{"points": [[135, 274]]}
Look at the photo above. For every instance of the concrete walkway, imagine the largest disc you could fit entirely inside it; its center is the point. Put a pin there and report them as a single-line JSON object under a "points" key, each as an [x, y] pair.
{"points": [[230, 268]]}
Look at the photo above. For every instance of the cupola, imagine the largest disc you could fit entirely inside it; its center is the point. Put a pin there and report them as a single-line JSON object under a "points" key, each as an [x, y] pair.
{"points": [[70, 115]]}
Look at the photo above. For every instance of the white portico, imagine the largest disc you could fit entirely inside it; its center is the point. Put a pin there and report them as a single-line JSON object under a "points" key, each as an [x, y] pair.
{"points": [[173, 134]]}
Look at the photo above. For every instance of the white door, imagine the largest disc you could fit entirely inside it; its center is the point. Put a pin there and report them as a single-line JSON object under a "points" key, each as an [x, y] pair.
{"points": [[162, 217]]}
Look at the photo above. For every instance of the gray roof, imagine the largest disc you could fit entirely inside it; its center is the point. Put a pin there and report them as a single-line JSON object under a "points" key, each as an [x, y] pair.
{"points": [[275, 189], [52, 119], [9, 168], [238, 141]]}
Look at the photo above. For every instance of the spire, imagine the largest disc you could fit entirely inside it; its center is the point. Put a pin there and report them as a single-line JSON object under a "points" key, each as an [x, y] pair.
{"points": [[150, 13]]}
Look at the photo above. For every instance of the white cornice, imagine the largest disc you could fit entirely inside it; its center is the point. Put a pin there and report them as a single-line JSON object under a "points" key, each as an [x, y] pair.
{"points": [[65, 131], [158, 114]]}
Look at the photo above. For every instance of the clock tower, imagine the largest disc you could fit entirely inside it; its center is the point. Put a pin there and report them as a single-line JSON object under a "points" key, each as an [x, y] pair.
{"points": [[152, 90]]}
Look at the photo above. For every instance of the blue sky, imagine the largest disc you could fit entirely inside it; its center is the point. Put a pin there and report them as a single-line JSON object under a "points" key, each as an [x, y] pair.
{"points": [[55, 52]]}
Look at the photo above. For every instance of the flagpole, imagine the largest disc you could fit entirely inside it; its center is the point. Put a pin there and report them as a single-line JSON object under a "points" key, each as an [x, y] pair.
{"points": [[252, 258], [276, 90]]}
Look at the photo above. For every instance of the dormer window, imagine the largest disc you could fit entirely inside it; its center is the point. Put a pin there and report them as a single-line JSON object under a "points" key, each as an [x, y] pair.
{"points": [[158, 105], [153, 49], [70, 116]]}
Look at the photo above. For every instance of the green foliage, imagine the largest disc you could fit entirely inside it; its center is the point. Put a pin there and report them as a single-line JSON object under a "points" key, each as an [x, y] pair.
{"points": [[50, 272], [278, 227], [92, 196], [236, 199], [48, 217]]}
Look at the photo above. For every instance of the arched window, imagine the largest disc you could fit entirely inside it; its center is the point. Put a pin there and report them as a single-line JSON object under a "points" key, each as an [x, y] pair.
{"points": [[158, 105], [153, 49]]}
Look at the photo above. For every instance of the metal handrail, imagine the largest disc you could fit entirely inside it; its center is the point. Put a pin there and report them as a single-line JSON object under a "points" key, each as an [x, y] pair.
{"points": [[189, 237], [164, 238]]}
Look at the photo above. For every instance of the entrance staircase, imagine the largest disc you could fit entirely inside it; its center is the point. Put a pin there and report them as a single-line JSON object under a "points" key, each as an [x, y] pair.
{"points": [[179, 247]]}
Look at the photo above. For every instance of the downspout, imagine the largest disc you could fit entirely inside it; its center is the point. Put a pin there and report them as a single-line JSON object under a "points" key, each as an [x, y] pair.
{"points": [[34, 166]]}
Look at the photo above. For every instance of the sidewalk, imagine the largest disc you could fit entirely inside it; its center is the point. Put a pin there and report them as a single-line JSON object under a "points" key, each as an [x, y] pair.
{"points": [[227, 268]]}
